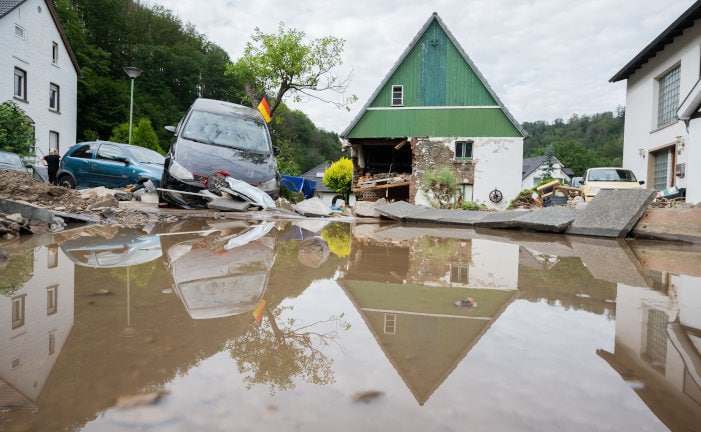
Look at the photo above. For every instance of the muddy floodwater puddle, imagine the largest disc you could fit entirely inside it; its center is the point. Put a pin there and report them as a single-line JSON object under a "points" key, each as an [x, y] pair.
{"points": [[313, 325]]}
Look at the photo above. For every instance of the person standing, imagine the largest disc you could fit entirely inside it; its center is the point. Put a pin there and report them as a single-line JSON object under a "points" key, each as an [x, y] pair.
{"points": [[51, 161]]}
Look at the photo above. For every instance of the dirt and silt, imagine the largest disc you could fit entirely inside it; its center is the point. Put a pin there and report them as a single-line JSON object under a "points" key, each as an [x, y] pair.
{"points": [[22, 188]]}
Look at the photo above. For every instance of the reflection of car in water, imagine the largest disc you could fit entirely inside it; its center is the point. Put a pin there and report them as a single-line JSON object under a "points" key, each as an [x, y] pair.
{"points": [[127, 247], [222, 274]]}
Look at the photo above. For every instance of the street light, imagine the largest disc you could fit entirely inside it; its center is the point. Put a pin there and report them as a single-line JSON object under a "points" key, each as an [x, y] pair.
{"points": [[133, 73]]}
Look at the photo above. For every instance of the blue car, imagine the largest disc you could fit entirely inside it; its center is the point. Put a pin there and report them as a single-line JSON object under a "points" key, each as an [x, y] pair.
{"points": [[109, 164]]}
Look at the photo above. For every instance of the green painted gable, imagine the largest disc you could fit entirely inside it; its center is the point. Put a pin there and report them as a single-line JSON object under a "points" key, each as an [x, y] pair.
{"points": [[444, 95]]}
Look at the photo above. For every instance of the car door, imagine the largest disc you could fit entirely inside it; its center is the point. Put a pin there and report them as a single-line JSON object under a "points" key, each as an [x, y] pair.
{"points": [[109, 167]]}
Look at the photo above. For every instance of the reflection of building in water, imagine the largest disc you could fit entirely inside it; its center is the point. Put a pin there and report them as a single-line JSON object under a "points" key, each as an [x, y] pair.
{"points": [[410, 298], [38, 323], [658, 346]]}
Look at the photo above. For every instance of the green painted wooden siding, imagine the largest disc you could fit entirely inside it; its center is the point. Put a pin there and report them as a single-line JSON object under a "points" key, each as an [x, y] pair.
{"points": [[434, 73], [445, 122]]}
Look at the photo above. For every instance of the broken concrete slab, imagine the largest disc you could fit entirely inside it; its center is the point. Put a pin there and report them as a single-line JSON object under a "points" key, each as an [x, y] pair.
{"points": [[460, 217], [610, 260], [612, 213], [502, 219], [312, 207], [27, 210], [402, 211], [225, 204], [548, 219], [669, 224], [368, 208]]}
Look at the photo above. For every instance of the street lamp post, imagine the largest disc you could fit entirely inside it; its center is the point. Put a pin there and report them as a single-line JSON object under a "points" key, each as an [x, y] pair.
{"points": [[133, 73]]}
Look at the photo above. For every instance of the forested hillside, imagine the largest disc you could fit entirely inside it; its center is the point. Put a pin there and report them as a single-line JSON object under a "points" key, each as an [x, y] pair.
{"points": [[580, 142], [179, 64]]}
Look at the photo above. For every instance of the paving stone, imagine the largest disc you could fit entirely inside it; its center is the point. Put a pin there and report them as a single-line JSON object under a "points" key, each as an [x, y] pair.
{"points": [[502, 219], [548, 219], [612, 213], [401, 210]]}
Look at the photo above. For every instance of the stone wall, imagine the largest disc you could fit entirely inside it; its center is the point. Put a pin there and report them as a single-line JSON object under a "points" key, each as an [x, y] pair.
{"points": [[431, 154]]}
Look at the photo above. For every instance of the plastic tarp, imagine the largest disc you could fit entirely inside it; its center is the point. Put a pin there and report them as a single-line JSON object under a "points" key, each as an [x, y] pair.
{"points": [[298, 184]]}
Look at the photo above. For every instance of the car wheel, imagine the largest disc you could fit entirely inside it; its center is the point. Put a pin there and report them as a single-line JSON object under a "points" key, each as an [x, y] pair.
{"points": [[67, 182]]}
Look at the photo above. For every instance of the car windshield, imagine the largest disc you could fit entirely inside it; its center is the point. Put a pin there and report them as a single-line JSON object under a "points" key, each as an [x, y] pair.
{"points": [[148, 156], [10, 159], [612, 175], [227, 130]]}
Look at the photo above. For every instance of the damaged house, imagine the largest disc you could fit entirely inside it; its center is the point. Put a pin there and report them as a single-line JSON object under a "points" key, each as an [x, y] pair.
{"points": [[434, 109]]}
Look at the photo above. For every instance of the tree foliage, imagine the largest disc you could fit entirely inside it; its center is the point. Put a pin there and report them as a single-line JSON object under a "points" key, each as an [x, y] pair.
{"points": [[142, 134], [339, 177], [580, 142], [179, 64], [281, 63], [16, 133]]}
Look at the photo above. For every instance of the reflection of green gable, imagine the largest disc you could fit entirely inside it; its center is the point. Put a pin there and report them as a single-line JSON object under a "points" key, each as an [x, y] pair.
{"points": [[421, 330]]}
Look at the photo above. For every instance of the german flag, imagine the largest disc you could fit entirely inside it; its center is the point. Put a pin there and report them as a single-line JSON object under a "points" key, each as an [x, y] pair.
{"points": [[259, 311], [264, 109]]}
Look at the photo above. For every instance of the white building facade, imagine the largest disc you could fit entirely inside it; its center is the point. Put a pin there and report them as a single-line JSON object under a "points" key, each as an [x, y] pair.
{"points": [[39, 72], [657, 145]]}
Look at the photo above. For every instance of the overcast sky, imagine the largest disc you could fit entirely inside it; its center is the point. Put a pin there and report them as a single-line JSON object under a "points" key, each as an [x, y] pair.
{"points": [[545, 59]]}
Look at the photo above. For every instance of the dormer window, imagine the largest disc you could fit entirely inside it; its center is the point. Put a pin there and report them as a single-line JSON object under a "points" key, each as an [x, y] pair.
{"points": [[397, 95]]}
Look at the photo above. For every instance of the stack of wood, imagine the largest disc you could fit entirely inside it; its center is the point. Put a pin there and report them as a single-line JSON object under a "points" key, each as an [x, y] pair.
{"points": [[557, 193]]}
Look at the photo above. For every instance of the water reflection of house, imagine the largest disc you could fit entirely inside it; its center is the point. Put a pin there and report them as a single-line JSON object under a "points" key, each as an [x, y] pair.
{"points": [[658, 346], [41, 317], [407, 296]]}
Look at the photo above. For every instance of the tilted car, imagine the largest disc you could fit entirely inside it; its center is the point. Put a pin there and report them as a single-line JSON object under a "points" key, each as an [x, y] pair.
{"points": [[109, 164], [218, 137], [11, 162], [597, 179]]}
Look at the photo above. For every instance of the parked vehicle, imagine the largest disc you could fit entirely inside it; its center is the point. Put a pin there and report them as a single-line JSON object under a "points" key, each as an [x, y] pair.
{"points": [[597, 179], [11, 162], [576, 181], [109, 164], [218, 137]]}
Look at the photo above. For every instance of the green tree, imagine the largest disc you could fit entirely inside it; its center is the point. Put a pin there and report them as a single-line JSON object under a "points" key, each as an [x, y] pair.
{"points": [[16, 133], [339, 177], [275, 64], [142, 134]]}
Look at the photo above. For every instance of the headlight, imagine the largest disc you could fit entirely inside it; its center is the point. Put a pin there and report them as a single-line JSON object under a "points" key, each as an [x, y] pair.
{"points": [[269, 186], [179, 172]]}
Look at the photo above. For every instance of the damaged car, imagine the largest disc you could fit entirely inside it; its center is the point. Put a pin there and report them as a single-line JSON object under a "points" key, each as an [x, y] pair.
{"points": [[218, 137]]}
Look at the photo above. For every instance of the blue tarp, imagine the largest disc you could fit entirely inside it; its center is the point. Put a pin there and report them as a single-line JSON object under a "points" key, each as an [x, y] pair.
{"points": [[298, 184]]}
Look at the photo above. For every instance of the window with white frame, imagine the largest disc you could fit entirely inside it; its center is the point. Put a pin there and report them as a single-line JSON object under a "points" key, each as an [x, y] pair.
{"points": [[53, 140], [18, 311], [668, 97], [19, 31], [54, 52], [397, 95], [20, 84], [463, 150], [51, 299], [54, 97]]}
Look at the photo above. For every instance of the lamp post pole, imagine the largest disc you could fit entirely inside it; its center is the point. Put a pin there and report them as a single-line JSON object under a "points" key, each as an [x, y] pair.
{"points": [[133, 73]]}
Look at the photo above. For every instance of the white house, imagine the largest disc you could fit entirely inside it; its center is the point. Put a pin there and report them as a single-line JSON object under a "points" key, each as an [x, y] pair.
{"points": [[662, 141], [39, 71], [434, 111], [535, 170]]}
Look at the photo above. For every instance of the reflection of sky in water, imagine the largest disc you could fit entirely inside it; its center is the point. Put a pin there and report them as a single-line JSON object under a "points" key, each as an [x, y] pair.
{"points": [[536, 368]]}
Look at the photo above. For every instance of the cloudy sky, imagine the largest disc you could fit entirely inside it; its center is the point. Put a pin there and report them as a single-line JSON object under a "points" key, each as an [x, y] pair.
{"points": [[545, 59]]}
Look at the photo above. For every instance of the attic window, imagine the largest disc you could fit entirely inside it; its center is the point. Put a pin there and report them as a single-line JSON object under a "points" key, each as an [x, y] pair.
{"points": [[463, 150], [397, 95], [19, 31]]}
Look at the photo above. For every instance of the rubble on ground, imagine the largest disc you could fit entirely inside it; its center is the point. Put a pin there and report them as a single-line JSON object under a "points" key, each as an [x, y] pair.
{"points": [[98, 204]]}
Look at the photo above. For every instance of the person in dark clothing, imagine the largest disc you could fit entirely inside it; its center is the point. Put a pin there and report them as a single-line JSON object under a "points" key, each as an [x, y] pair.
{"points": [[51, 162]]}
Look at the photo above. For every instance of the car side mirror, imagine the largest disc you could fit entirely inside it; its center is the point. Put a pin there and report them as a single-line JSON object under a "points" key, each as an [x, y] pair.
{"points": [[582, 182], [642, 182], [276, 150], [122, 159], [170, 129]]}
